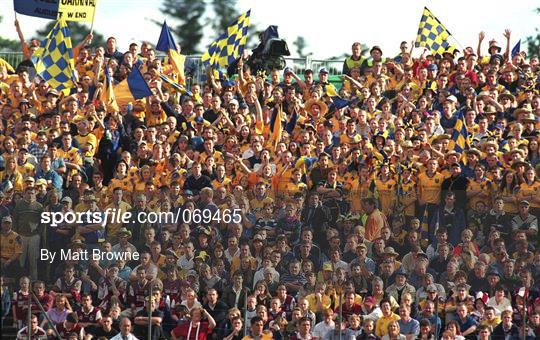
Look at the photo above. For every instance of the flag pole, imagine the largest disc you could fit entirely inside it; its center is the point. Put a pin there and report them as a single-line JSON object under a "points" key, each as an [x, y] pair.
{"points": [[93, 18], [460, 46]]}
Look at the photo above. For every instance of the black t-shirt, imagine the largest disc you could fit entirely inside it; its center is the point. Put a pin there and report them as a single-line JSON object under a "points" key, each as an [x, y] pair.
{"points": [[210, 115], [141, 331], [97, 331], [196, 184]]}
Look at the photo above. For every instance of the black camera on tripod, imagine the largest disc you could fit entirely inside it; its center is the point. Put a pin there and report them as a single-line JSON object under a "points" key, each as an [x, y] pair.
{"points": [[268, 55]]}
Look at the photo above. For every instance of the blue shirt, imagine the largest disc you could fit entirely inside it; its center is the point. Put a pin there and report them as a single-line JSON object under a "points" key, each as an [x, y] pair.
{"points": [[52, 176], [411, 327], [58, 163], [468, 323]]}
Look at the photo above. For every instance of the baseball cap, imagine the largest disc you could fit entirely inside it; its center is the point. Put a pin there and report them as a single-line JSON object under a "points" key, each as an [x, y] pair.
{"points": [[287, 70], [452, 99], [432, 67], [370, 300], [401, 272], [41, 181], [494, 272], [327, 266], [375, 48], [323, 70], [53, 92], [7, 219], [90, 198], [228, 83], [431, 288], [66, 199]]}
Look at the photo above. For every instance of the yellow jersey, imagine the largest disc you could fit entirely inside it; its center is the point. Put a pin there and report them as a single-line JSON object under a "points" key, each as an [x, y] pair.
{"points": [[10, 245], [387, 194], [429, 188]]}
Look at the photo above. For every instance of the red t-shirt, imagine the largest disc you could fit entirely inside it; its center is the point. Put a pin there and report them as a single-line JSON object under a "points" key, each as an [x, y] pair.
{"points": [[182, 330]]}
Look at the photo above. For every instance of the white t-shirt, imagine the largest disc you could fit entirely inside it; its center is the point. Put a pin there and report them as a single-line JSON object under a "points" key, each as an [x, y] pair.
{"points": [[499, 307], [322, 330]]}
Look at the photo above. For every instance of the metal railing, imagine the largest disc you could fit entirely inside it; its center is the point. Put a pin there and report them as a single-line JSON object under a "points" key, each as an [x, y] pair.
{"points": [[299, 65], [13, 58]]}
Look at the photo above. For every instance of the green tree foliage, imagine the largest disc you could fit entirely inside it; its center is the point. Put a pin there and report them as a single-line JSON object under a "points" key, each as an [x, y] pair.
{"points": [[225, 13], [8, 44], [193, 16], [78, 33], [533, 42], [189, 30], [301, 44]]}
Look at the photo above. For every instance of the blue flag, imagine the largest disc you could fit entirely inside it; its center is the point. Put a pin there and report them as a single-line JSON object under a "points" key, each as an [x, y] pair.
{"points": [[41, 9], [516, 48], [167, 44], [166, 39], [132, 88]]}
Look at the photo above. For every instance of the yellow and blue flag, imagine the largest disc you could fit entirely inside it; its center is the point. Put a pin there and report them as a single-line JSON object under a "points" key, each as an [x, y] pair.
{"points": [[460, 134], [175, 85], [39, 9], [167, 44], [132, 88], [516, 49], [54, 58], [68, 10], [7, 65], [229, 46], [276, 126], [107, 93], [433, 35], [424, 228]]}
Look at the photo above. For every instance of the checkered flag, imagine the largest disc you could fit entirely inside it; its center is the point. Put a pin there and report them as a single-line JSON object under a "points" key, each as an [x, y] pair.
{"points": [[229, 46], [433, 35], [54, 58]]}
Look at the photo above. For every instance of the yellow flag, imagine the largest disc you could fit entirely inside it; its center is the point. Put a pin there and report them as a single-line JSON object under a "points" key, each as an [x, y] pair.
{"points": [[77, 10], [177, 61]]}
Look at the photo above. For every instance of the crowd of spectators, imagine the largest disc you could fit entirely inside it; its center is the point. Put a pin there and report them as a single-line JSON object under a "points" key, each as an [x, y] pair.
{"points": [[307, 209]]}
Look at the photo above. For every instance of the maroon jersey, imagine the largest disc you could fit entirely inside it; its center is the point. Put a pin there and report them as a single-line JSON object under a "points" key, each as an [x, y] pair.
{"points": [[173, 288], [46, 301], [105, 291], [20, 301], [39, 334], [350, 310], [137, 293], [289, 304], [183, 330], [64, 332], [93, 316], [73, 287]]}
